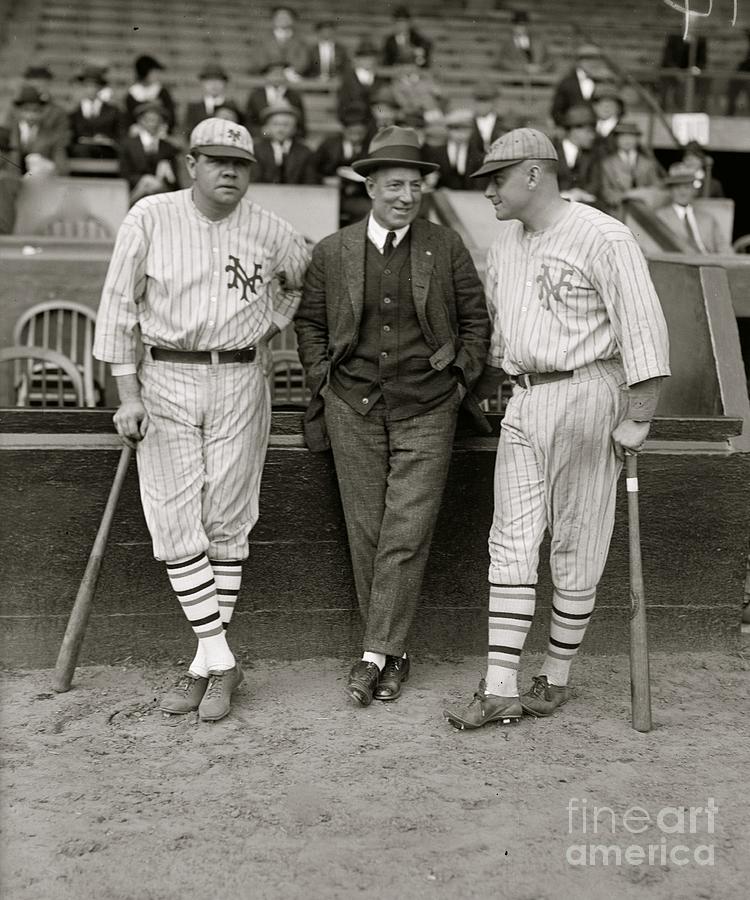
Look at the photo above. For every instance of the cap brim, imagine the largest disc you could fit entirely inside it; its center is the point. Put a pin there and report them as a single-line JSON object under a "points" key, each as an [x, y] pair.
{"points": [[493, 166], [229, 152], [363, 166]]}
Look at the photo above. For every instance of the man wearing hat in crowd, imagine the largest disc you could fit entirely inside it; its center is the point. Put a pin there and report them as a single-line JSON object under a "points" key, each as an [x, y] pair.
{"points": [[578, 85], [393, 333], [333, 159], [359, 82], [522, 50], [54, 117], [10, 183], [205, 277], [148, 88], [693, 226], [276, 90], [281, 157], [577, 162], [624, 172], [405, 45], [577, 325], [94, 123], [282, 46], [148, 161], [214, 79], [488, 123], [38, 142], [327, 57], [608, 108], [457, 157]]}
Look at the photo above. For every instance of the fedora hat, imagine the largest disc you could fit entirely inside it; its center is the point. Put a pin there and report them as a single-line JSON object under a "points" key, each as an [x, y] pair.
{"points": [[213, 70], [150, 106], [394, 146], [626, 127], [29, 94], [92, 73], [278, 109], [679, 173], [578, 116]]}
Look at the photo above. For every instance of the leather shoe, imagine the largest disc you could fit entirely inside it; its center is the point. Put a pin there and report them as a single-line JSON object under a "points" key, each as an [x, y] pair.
{"points": [[544, 698], [394, 674], [185, 695], [216, 701], [363, 679], [483, 709]]}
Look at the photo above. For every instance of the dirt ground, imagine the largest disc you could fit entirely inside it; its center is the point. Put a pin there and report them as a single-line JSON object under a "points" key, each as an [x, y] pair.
{"points": [[298, 795]]}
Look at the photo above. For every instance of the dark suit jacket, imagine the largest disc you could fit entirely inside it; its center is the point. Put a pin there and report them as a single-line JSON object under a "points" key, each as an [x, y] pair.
{"points": [[449, 177], [417, 51], [353, 93], [292, 54], [512, 59], [257, 101], [448, 298], [616, 177], [196, 112], [583, 175], [567, 94], [340, 60], [299, 165], [51, 141], [476, 140], [330, 155], [107, 123], [708, 228], [134, 162]]}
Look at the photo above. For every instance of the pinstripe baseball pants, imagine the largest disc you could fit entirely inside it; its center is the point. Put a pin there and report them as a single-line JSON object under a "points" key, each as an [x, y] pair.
{"points": [[556, 469], [201, 461]]}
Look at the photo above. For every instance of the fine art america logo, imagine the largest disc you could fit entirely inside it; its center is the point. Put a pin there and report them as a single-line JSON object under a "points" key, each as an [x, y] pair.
{"points": [[673, 835]]}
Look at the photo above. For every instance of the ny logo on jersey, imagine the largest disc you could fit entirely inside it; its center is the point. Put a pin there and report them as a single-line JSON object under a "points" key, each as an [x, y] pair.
{"points": [[549, 289], [240, 277], [233, 134]]}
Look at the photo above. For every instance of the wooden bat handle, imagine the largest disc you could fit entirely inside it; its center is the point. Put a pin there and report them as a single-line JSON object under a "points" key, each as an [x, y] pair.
{"points": [[67, 658], [640, 683]]}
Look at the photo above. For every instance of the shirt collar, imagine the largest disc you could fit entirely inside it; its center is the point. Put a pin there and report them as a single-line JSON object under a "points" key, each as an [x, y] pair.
{"points": [[682, 211], [377, 234]]}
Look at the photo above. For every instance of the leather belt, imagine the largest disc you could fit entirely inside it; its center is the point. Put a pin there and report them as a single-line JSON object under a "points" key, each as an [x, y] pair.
{"points": [[529, 379], [204, 357]]}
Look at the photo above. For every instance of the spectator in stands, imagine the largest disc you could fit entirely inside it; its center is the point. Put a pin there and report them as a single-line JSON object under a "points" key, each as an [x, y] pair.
{"points": [[281, 157], [38, 143], [576, 161], [627, 170], [214, 80], [229, 111], [283, 46], [488, 125], [10, 183], [148, 87], [405, 45], [335, 156], [522, 51], [359, 83], [695, 157], [147, 161], [457, 157], [94, 124], [609, 109], [417, 95], [55, 119], [276, 90], [740, 87], [695, 227], [385, 111], [691, 54], [578, 85], [327, 57]]}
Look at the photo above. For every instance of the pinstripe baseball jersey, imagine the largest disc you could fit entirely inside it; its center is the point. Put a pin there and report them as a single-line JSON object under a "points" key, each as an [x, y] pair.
{"points": [[572, 294], [190, 283]]}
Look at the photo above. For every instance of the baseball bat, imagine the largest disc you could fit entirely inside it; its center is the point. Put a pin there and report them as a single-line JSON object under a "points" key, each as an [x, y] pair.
{"points": [[67, 658], [640, 683]]}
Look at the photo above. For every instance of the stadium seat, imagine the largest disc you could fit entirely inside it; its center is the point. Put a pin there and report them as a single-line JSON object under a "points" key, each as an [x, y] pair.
{"points": [[43, 377]]}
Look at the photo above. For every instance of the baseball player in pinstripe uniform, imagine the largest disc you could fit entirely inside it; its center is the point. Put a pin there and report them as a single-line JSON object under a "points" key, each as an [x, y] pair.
{"points": [[578, 327], [204, 277]]}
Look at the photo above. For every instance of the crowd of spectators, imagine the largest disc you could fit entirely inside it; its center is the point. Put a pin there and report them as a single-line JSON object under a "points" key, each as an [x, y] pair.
{"points": [[602, 159]]}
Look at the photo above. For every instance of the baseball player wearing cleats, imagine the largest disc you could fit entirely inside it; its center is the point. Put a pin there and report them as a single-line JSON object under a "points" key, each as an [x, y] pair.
{"points": [[216, 701], [185, 696], [544, 698], [483, 709]]}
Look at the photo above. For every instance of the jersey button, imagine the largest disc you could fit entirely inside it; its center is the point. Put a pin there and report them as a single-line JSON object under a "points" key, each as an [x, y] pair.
{"points": [[523, 309], [528, 284]]}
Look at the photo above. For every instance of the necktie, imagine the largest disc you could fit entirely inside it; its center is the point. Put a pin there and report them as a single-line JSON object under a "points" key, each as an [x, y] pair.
{"points": [[389, 239], [693, 234]]}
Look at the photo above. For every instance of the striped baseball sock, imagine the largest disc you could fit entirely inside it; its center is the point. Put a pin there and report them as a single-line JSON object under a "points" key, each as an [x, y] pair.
{"points": [[193, 582], [571, 613], [228, 578], [511, 613]]}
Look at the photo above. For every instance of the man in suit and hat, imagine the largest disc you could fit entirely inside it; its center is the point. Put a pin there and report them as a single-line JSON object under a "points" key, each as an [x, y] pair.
{"points": [[94, 123], [281, 158], [275, 90], [405, 45], [282, 46], [626, 170], [695, 228], [147, 161], [457, 157], [578, 85], [54, 117], [39, 145], [523, 50], [327, 57], [359, 83], [576, 161], [393, 333], [214, 80]]}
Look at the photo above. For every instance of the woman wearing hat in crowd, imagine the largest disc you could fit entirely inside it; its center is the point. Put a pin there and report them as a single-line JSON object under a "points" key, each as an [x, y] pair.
{"points": [[94, 123], [148, 162], [695, 227], [39, 145], [281, 158], [627, 170], [147, 88]]}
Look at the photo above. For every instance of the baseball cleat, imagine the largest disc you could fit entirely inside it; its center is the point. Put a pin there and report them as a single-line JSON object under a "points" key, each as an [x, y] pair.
{"points": [[217, 699], [185, 696], [484, 709], [544, 698]]}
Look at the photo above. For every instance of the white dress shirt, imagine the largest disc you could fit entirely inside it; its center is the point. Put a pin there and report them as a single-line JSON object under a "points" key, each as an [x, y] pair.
{"points": [[485, 126], [586, 83], [571, 152], [457, 154], [377, 234]]}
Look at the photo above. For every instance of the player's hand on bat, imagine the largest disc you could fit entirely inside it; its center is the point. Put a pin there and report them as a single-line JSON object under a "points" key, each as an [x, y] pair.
{"points": [[629, 436], [131, 422]]}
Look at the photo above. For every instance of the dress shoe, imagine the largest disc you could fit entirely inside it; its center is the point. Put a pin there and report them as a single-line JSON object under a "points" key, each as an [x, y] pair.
{"points": [[394, 674], [544, 698], [363, 679], [217, 699], [483, 709], [185, 696]]}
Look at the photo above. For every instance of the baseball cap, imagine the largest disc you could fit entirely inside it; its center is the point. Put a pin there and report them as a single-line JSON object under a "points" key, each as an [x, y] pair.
{"points": [[220, 137], [514, 147]]}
